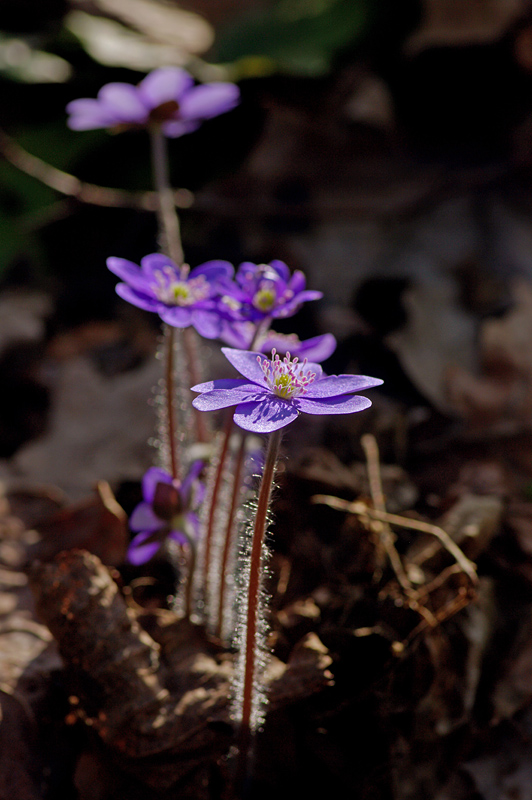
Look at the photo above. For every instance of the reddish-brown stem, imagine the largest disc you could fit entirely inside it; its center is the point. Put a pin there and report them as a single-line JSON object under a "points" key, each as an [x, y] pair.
{"points": [[212, 510], [169, 337], [253, 603], [228, 537], [190, 340]]}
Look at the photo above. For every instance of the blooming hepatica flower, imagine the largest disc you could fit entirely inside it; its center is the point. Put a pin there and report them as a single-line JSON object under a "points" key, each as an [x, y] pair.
{"points": [[166, 96], [262, 291], [167, 510], [180, 296], [274, 392]]}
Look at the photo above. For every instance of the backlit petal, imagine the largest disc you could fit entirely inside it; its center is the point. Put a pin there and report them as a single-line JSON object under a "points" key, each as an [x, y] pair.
{"points": [[335, 385], [144, 519], [265, 415], [209, 100], [245, 361], [347, 404], [164, 84]]}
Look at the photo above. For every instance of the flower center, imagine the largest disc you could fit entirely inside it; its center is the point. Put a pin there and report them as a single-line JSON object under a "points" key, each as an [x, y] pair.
{"points": [[173, 289], [287, 378], [164, 111], [265, 298]]}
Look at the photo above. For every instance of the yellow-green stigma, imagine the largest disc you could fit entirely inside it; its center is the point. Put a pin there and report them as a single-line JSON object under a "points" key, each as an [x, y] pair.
{"points": [[284, 386], [287, 378], [264, 299], [181, 293]]}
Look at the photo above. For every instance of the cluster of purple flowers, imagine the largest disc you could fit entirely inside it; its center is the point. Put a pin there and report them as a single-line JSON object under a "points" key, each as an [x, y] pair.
{"points": [[219, 302]]}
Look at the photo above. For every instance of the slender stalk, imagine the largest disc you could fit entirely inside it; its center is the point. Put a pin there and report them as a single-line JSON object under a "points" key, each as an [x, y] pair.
{"points": [[170, 234], [228, 538], [206, 566], [190, 577], [247, 723], [169, 338], [228, 427], [168, 220], [190, 341]]}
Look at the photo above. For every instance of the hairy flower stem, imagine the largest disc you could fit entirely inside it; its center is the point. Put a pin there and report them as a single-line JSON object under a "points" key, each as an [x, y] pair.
{"points": [[228, 535], [169, 338], [213, 509], [248, 720], [170, 234], [228, 427], [190, 341], [171, 245]]}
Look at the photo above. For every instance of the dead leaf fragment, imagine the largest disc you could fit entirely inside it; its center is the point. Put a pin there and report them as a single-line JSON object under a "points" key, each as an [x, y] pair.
{"points": [[452, 23]]}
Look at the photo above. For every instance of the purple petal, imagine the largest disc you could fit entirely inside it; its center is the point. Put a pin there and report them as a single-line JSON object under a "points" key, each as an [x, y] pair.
{"points": [[178, 536], [164, 84], [335, 385], [225, 398], [281, 269], [123, 100], [157, 262], [192, 475], [139, 553], [174, 128], [199, 490], [245, 361], [88, 113], [333, 405], [238, 334], [224, 383], [138, 299], [265, 415], [209, 100], [150, 480], [176, 316], [317, 349], [129, 272], [214, 270], [207, 323], [297, 282], [290, 308], [144, 519]]}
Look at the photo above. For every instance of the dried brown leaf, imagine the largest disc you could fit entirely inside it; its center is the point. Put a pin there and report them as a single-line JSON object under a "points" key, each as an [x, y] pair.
{"points": [[98, 525]]}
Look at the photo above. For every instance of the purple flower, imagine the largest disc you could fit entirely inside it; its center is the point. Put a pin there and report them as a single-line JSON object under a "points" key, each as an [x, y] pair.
{"points": [[242, 334], [274, 392], [167, 96], [180, 296], [265, 291], [168, 510]]}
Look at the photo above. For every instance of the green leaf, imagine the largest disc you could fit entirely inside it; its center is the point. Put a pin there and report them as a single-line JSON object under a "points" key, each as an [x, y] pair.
{"points": [[296, 36]]}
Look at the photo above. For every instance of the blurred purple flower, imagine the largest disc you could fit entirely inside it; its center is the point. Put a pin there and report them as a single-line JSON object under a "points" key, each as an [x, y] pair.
{"points": [[274, 392], [265, 291], [180, 296], [167, 510], [167, 96], [242, 334]]}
